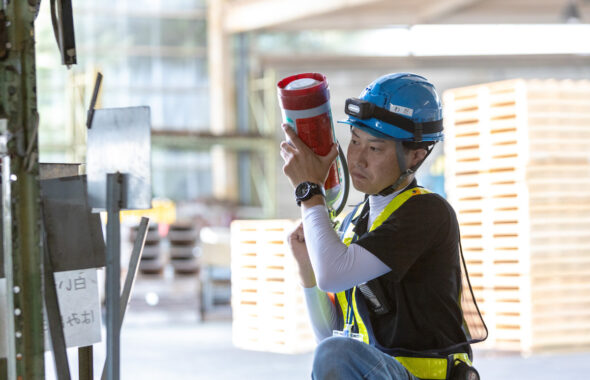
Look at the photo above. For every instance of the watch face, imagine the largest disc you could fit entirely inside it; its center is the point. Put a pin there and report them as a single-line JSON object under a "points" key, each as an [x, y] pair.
{"points": [[306, 190], [302, 190]]}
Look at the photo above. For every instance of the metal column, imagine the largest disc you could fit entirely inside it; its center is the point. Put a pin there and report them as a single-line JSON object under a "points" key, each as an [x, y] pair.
{"points": [[18, 105], [115, 202]]}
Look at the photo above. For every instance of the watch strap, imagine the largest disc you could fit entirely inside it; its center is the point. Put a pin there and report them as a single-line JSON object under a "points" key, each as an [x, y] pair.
{"points": [[306, 190]]}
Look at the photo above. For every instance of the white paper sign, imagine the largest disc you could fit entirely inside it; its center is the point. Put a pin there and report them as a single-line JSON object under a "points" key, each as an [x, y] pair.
{"points": [[77, 294], [3, 327]]}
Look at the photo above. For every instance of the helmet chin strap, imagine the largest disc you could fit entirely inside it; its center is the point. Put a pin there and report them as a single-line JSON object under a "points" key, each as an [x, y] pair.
{"points": [[404, 170]]}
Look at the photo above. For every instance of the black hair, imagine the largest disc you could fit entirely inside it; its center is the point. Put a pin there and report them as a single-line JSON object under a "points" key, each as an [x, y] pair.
{"points": [[412, 145]]}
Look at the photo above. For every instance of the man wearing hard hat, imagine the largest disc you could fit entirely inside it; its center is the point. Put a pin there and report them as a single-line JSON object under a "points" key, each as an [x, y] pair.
{"points": [[394, 265]]}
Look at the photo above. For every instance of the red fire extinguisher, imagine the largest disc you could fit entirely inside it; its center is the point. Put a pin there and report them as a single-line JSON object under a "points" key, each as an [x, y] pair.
{"points": [[305, 105]]}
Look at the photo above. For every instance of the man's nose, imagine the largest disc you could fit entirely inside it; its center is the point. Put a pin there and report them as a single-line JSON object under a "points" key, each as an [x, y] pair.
{"points": [[359, 158]]}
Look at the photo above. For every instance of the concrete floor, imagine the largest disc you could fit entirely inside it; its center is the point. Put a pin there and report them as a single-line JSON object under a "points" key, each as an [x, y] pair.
{"points": [[178, 346], [168, 341], [186, 350]]}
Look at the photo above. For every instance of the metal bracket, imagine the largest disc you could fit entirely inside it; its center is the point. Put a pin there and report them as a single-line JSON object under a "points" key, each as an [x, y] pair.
{"points": [[90, 113], [58, 341], [131, 273], [63, 28]]}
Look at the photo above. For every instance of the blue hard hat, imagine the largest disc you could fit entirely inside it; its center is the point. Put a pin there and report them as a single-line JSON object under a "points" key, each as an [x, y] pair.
{"points": [[401, 106]]}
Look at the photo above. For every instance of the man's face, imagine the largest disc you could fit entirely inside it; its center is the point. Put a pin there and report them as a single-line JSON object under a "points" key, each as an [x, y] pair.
{"points": [[372, 162]]}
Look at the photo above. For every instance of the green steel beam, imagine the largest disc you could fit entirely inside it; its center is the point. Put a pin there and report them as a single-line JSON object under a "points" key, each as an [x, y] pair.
{"points": [[265, 145], [18, 104], [204, 141]]}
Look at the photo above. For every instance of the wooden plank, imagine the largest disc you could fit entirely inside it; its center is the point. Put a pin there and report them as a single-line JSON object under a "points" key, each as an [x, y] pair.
{"points": [[548, 294], [540, 208], [467, 192], [550, 315], [557, 247], [468, 128], [509, 333], [564, 326], [508, 309], [464, 106], [558, 108], [504, 148], [467, 163], [501, 229], [502, 125], [466, 117], [555, 121], [542, 343], [503, 111], [505, 136], [549, 258], [544, 131], [500, 175], [577, 235]]}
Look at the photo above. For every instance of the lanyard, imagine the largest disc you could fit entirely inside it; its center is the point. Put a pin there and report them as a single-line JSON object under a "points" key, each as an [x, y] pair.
{"points": [[350, 318]]}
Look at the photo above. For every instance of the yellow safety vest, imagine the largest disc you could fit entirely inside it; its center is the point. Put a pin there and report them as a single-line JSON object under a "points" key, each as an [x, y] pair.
{"points": [[424, 368]]}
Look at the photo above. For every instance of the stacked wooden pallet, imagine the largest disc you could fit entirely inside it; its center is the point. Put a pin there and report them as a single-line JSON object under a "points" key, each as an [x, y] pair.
{"points": [[269, 312], [183, 237], [518, 174], [153, 259]]}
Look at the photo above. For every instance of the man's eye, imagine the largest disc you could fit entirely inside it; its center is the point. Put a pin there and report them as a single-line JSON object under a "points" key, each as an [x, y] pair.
{"points": [[375, 149]]}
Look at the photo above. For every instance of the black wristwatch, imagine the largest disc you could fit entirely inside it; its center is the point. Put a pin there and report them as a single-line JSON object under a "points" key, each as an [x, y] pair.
{"points": [[306, 190]]}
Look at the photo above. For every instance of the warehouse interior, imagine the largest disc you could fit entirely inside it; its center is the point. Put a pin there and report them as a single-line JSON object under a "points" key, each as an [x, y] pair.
{"points": [[514, 77]]}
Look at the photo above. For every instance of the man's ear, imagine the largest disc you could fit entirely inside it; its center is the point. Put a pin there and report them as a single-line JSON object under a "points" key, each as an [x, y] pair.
{"points": [[416, 156]]}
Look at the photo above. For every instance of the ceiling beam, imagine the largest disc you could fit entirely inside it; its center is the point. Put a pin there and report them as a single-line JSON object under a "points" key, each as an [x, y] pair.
{"points": [[247, 15], [441, 8]]}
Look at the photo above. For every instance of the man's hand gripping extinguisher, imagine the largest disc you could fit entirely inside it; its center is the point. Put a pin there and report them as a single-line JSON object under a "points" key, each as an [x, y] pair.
{"points": [[305, 105]]}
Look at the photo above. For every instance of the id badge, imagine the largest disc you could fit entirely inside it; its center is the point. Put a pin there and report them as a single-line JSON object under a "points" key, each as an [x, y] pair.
{"points": [[347, 333]]}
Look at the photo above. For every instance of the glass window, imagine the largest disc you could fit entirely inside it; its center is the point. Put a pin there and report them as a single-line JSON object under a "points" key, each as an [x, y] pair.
{"points": [[183, 32], [143, 31], [150, 52], [181, 175]]}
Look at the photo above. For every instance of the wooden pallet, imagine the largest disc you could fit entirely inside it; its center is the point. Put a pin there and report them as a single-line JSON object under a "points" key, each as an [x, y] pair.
{"points": [[269, 312], [518, 175]]}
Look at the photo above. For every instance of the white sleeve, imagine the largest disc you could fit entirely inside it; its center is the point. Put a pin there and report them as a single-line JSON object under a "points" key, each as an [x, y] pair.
{"points": [[322, 313], [336, 266]]}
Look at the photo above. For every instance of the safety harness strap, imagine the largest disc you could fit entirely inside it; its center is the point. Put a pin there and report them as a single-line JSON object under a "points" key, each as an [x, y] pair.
{"points": [[395, 204], [348, 226]]}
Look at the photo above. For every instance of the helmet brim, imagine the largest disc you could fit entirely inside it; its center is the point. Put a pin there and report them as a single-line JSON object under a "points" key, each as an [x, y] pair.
{"points": [[367, 129]]}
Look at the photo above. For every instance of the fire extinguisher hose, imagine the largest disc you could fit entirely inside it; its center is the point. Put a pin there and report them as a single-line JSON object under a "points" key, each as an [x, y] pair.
{"points": [[337, 204]]}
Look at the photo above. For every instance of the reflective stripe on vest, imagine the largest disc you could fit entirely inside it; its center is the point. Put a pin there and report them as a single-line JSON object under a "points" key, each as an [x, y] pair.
{"points": [[424, 368], [432, 368]]}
